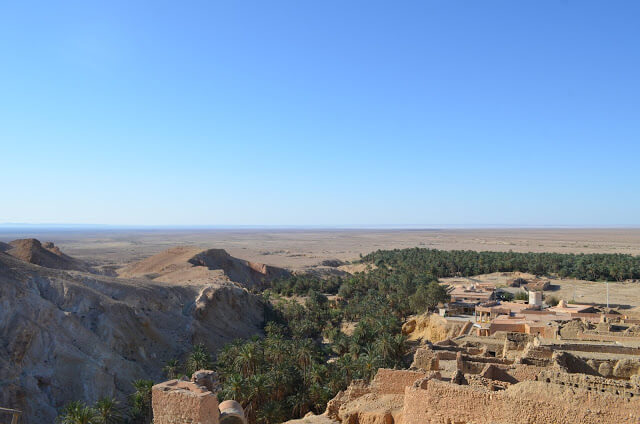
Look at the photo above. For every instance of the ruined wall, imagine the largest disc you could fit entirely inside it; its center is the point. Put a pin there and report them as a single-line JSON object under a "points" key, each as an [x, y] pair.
{"points": [[356, 389], [499, 373], [475, 364], [537, 355], [426, 359], [599, 337], [528, 402], [593, 383], [596, 348], [388, 381], [516, 342], [506, 327], [523, 372], [179, 402]]}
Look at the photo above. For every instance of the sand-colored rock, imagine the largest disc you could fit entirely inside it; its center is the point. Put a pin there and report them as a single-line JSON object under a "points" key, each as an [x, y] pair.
{"points": [[193, 265], [432, 328], [373, 408], [313, 419], [43, 254]]}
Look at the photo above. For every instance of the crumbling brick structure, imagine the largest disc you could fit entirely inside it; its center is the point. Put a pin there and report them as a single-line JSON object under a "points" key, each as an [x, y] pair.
{"points": [[530, 402], [179, 402], [426, 359], [193, 402]]}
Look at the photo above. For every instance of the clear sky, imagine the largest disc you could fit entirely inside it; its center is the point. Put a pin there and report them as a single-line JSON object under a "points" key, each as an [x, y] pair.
{"points": [[326, 112]]}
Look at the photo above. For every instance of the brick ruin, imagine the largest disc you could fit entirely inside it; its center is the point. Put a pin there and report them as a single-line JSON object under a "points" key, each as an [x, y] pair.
{"points": [[193, 402], [507, 378]]}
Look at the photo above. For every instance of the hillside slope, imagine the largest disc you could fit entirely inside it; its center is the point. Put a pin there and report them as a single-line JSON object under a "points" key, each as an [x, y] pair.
{"points": [[193, 265], [68, 335], [43, 254]]}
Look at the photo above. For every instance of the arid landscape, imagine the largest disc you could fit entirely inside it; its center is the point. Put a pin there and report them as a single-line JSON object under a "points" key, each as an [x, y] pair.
{"points": [[300, 248], [85, 313], [320, 212]]}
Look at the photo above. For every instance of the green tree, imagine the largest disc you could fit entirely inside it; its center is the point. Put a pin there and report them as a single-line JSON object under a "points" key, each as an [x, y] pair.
{"points": [[427, 296], [199, 359], [552, 301], [271, 413], [172, 368], [108, 411], [141, 401], [521, 295], [77, 412]]}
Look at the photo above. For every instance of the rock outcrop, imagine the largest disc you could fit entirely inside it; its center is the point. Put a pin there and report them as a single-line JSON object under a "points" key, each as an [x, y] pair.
{"points": [[43, 254], [68, 335], [432, 327], [193, 265]]}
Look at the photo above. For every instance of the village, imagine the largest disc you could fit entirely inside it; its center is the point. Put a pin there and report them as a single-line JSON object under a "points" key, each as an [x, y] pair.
{"points": [[511, 361], [484, 306]]}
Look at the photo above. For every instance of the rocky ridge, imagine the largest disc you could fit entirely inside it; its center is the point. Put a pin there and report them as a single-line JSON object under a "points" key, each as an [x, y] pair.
{"points": [[68, 334]]}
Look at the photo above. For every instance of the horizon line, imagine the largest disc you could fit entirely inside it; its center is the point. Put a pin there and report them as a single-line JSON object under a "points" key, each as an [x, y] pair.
{"points": [[75, 226]]}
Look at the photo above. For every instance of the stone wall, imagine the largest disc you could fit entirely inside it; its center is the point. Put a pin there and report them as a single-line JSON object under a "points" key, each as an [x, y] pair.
{"points": [[499, 373], [426, 359], [592, 336], [388, 381], [596, 348], [523, 372], [179, 402], [528, 402], [475, 364], [593, 383]]}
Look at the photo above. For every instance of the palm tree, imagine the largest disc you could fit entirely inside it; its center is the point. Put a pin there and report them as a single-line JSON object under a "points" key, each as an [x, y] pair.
{"points": [[341, 344], [385, 346], [276, 350], [317, 373], [234, 388], [171, 369], [108, 411], [77, 412], [199, 359], [400, 342], [319, 395], [280, 381], [141, 400], [304, 356], [247, 359], [271, 413], [299, 402], [369, 364]]}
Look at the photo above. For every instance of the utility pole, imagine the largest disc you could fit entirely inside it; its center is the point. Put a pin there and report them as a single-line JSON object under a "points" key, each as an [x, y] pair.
{"points": [[607, 295]]}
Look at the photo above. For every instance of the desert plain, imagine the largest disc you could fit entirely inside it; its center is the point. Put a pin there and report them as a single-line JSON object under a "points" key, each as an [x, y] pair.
{"points": [[300, 248], [304, 249]]}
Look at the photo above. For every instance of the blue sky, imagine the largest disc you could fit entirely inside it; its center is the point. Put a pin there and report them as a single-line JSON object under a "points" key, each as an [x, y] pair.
{"points": [[320, 113]]}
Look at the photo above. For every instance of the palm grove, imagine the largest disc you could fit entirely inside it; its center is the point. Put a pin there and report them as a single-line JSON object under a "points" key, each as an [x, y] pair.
{"points": [[305, 358]]}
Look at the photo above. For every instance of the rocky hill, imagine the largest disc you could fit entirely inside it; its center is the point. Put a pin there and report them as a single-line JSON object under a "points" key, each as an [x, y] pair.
{"points": [[43, 254], [192, 265], [67, 335]]}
